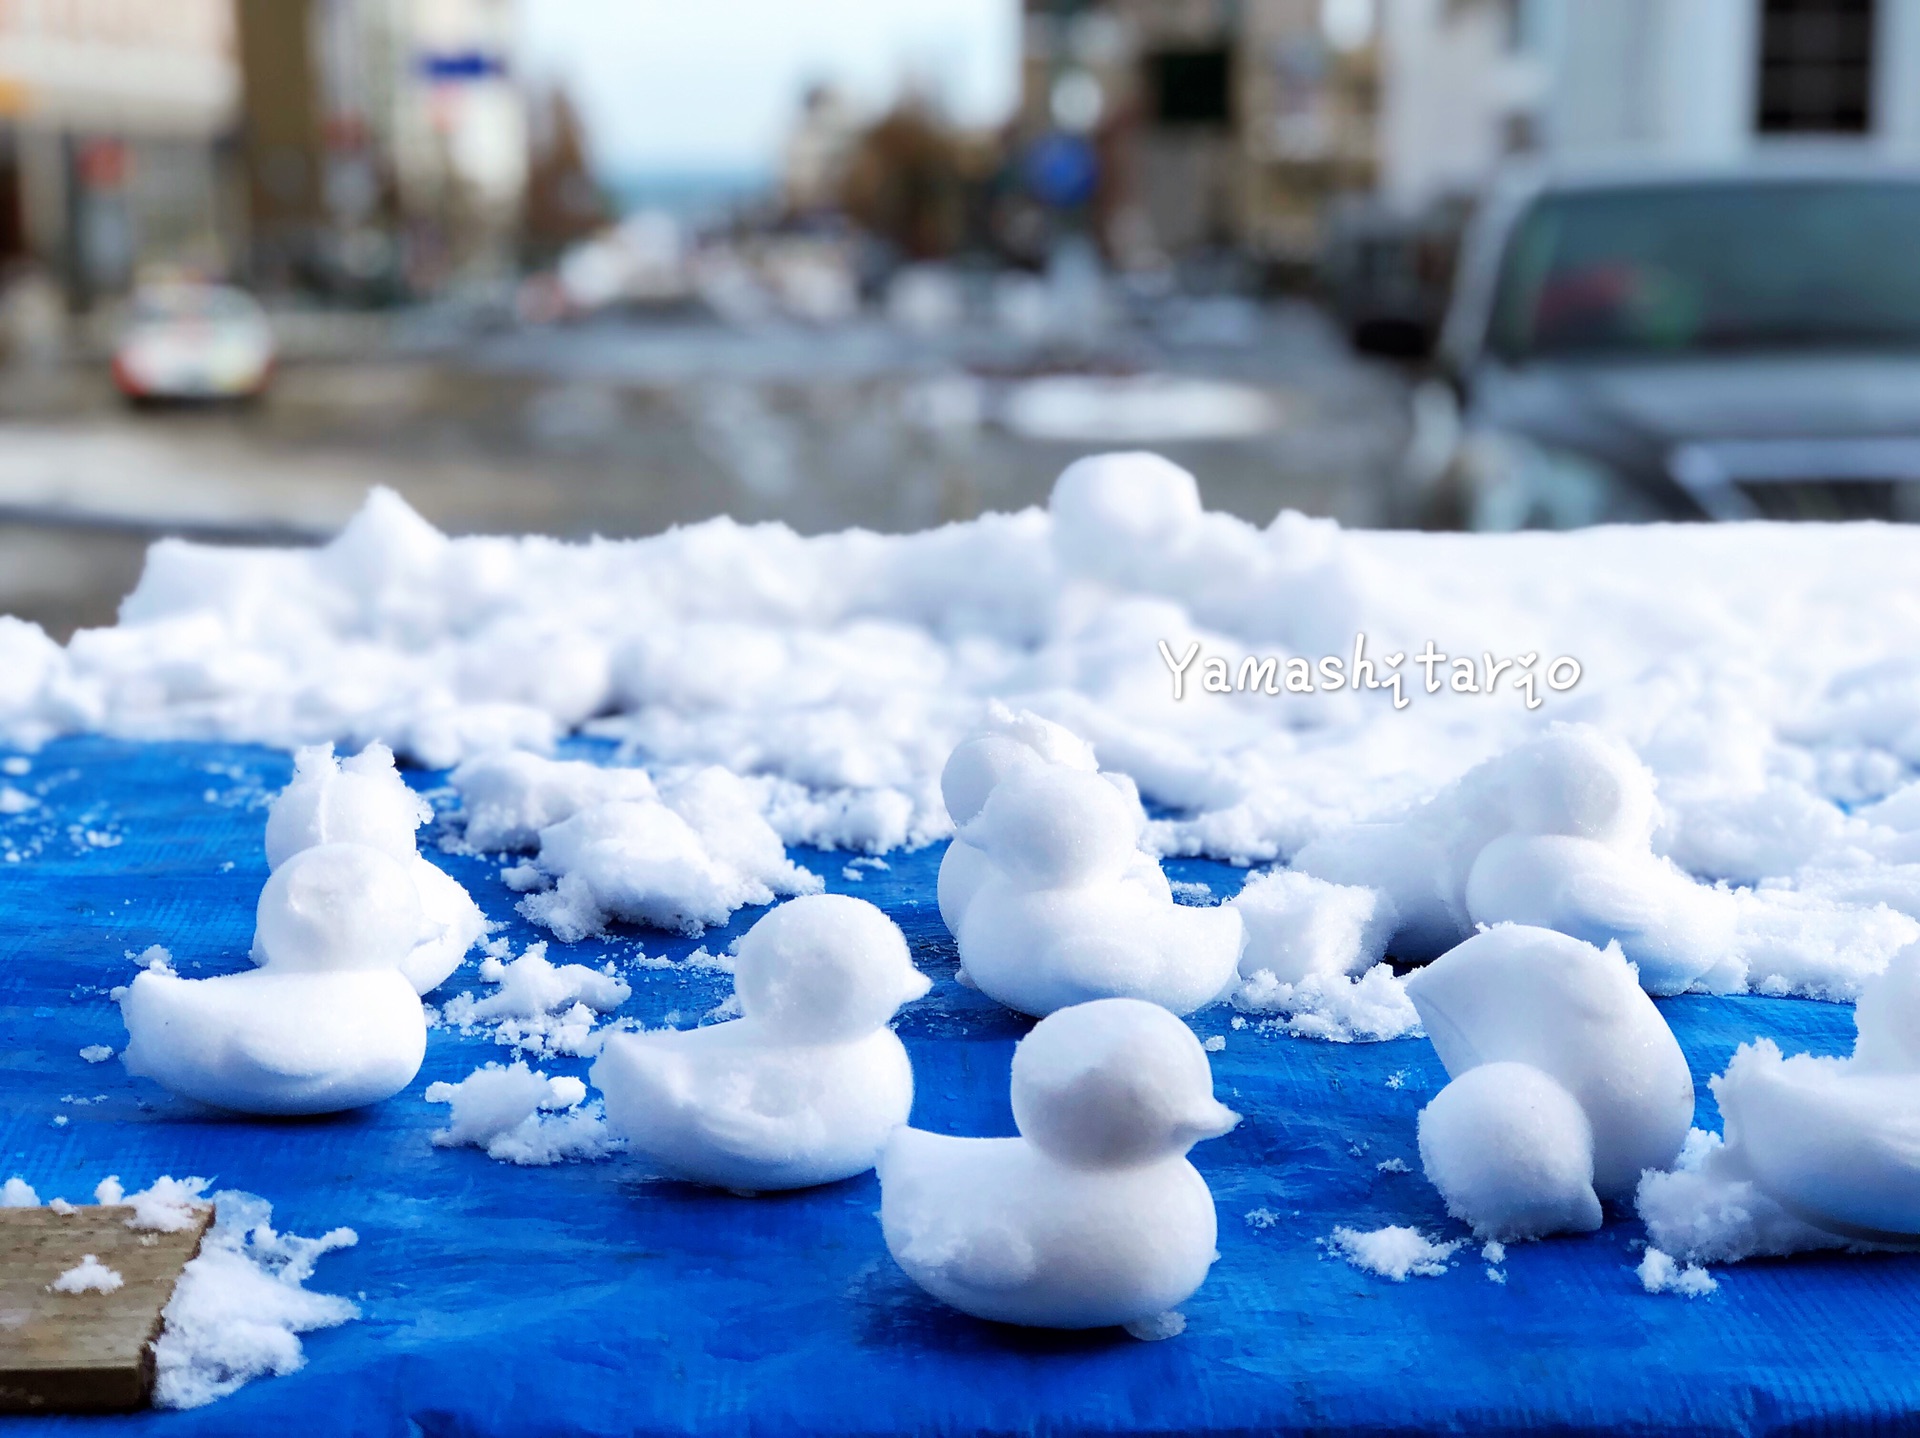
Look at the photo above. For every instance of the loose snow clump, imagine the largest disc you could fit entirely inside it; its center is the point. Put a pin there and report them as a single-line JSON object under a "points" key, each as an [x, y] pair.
{"points": [[1566, 1082], [1658, 1273], [1093, 1215], [539, 1006], [1395, 1252], [802, 1088], [239, 1306], [517, 1115], [89, 1275], [683, 856]]}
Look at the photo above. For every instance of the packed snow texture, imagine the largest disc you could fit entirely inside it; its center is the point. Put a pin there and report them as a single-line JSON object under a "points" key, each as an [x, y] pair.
{"points": [[89, 1275], [1565, 1081], [239, 1306], [1093, 1215], [1046, 889], [328, 1022], [805, 1086], [1817, 1152], [518, 1115], [1396, 1251], [837, 673], [611, 844], [363, 800]]}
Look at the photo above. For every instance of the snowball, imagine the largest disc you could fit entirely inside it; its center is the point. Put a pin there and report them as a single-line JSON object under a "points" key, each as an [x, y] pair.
{"points": [[1395, 1252], [1576, 1013], [338, 907], [1115, 514], [1093, 1216], [805, 1086], [1299, 925], [1511, 1153], [240, 1303], [90, 1275]]}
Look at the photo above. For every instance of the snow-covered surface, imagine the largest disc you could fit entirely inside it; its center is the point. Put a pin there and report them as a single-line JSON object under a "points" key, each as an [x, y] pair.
{"points": [[1093, 1215], [836, 673]]}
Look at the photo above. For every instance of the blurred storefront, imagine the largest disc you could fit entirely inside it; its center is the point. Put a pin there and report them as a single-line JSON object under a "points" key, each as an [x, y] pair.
{"points": [[386, 143], [116, 149]]}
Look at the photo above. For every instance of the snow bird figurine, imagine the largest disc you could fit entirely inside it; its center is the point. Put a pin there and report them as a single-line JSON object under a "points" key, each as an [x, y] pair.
{"points": [[328, 1022], [363, 800], [1092, 1216], [804, 1087], [1064, 916]]}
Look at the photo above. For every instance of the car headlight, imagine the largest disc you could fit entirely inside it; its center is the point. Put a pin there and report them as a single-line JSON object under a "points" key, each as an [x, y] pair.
{"points": [[1512, 482]]}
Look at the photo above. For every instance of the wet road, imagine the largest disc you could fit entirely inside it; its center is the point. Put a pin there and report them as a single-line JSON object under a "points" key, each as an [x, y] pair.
{"points": [[627, 426]]}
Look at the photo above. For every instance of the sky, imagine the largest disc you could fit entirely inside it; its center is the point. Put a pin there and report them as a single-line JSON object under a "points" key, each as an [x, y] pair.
{"points": [[680, 86]]}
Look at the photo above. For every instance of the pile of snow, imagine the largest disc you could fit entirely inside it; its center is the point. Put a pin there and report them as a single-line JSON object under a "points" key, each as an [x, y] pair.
{"points": [[805, 1086], [836, 674], [539, 1006], [1046, 889], [518, 1115], [612, 845], [240, 1306], [1566, 1083], [1093, 1215], [1817, 1153], [1395, 1252]]}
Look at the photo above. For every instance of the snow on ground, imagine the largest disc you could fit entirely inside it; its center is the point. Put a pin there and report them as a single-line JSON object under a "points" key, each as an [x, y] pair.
{"points": [[1764, 673], [1395, 1251]]}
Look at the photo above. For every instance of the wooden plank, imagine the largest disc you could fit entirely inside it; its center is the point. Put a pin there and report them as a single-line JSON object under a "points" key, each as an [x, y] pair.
{"points": [[84, 1352]]}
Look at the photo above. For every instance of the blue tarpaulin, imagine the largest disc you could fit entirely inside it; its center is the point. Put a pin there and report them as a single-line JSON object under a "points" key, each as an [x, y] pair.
{"points": [[588, 1298]]}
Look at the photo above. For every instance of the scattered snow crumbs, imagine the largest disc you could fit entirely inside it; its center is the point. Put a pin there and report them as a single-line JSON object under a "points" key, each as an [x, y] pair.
{"points": [[538, 1006], [1262, 1218], [1660, 1274], [1152, 1330], [1392, 1165], [90, 1275], [1214, 1043], [96, 1053], [238, 1307], [1495, 1251], [15, 765], [1393, 1252]]}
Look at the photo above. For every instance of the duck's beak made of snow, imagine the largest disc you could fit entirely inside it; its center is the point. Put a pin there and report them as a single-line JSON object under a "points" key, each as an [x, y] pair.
{"points": [[1210, 1122]]}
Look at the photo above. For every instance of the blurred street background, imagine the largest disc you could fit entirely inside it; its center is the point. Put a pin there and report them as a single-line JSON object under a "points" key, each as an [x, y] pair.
{"points": [[604, 266]]}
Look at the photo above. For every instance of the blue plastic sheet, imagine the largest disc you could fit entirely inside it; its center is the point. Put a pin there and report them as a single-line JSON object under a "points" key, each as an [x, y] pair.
{"points": [[587, 1298]]}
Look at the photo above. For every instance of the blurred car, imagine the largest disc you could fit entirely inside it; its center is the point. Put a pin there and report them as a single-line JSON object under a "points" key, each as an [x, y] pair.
{"points": [[1735, 344], [191, 341]]}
